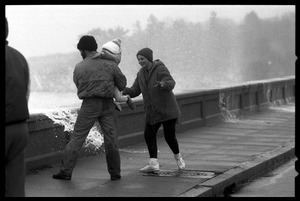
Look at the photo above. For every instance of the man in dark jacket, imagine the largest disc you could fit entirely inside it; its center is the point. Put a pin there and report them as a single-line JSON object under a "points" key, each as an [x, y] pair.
{"points": [[16, 113], [156, 84], [95, 78]]}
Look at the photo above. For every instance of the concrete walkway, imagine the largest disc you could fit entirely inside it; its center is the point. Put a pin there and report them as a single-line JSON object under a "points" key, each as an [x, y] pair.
{"points": [[217, 157]]}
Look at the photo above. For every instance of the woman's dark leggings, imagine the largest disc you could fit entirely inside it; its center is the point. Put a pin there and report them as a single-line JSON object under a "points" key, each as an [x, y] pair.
{"points": [[169, 134]]}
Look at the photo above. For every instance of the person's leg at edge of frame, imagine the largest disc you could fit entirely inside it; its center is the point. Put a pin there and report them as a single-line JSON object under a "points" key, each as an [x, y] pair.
{"points": [[170, 137], [84, 122], [16, 139], [107, 122], [150, 133]]}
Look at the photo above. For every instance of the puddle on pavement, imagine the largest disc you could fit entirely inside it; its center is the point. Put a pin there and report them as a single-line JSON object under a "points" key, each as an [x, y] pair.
{"points": [[196, 174]]}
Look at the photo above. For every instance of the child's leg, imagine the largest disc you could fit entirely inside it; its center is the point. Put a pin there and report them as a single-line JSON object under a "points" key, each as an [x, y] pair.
{"points": [[119, 97]]}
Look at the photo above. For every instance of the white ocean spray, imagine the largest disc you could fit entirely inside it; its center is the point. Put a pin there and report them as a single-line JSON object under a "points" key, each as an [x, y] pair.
{"points": [[67, 118]]}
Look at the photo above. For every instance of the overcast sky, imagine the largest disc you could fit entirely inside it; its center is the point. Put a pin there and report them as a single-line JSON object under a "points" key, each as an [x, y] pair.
{"points": [[38, 30]]}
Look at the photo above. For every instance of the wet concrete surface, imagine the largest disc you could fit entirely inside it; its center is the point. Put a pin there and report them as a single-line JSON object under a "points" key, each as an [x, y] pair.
{"points": [[234, 151], [279, 182]]}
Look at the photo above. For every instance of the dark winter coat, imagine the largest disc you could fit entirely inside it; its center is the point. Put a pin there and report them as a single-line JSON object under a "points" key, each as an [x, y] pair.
{"points": [[96, 76], [16, 86], [160, 103]]}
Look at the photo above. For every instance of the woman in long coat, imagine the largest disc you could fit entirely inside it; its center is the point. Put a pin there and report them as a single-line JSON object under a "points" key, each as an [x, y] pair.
{"points": [[156, 84]]}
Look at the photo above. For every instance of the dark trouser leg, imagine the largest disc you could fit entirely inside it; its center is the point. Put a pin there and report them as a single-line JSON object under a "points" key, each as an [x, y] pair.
{"points": [[16, 139], [84, 122], [169, 133], [150, 133], [108, 127]]}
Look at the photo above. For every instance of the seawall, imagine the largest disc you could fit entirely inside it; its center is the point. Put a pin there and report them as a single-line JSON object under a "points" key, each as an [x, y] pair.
{"points": [[198, 108]]}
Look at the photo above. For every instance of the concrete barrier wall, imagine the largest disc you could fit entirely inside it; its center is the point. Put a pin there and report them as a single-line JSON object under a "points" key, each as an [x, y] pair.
{"points": [[198, 108], [258, 95]]}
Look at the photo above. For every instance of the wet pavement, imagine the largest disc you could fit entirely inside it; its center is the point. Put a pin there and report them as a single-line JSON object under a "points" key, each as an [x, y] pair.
{"points": [[279, 182], [218, 157]]}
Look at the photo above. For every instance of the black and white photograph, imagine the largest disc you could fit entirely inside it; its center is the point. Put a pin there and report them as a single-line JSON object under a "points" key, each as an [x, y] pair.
{"points": [[150, 100]]}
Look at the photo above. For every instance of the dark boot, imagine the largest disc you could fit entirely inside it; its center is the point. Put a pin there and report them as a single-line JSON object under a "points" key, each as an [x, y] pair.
{"points": [[115, 177], [61, 175]]}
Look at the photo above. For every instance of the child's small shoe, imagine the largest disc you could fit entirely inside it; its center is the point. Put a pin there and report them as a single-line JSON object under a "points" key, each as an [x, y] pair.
{"points": [[118, 106], [130, 103]]}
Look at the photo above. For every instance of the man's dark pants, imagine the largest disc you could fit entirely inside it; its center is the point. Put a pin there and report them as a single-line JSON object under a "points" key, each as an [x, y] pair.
{"points": [[93, 109]]}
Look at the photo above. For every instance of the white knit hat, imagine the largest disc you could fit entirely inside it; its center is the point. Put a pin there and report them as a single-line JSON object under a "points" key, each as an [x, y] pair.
{"points": [[113, 46]]}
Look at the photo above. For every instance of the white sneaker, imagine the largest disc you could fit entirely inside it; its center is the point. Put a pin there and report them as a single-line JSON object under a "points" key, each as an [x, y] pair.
{"points": [[180, 161], [152, 166]]}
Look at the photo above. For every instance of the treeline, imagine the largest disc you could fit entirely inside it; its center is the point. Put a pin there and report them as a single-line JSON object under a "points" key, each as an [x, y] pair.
{"points": [[212, 54]]}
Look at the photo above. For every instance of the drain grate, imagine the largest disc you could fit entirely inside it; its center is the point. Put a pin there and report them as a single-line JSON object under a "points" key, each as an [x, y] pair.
{"points": [[197, 174]]}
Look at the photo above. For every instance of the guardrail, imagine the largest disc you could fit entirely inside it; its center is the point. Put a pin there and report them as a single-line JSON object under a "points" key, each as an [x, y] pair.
{"points": [[198, 108]]}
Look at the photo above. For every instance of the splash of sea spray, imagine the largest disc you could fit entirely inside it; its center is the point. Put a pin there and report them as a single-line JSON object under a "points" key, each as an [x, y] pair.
{"points": [[67, 118], [287, 105], [226, 115]]}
